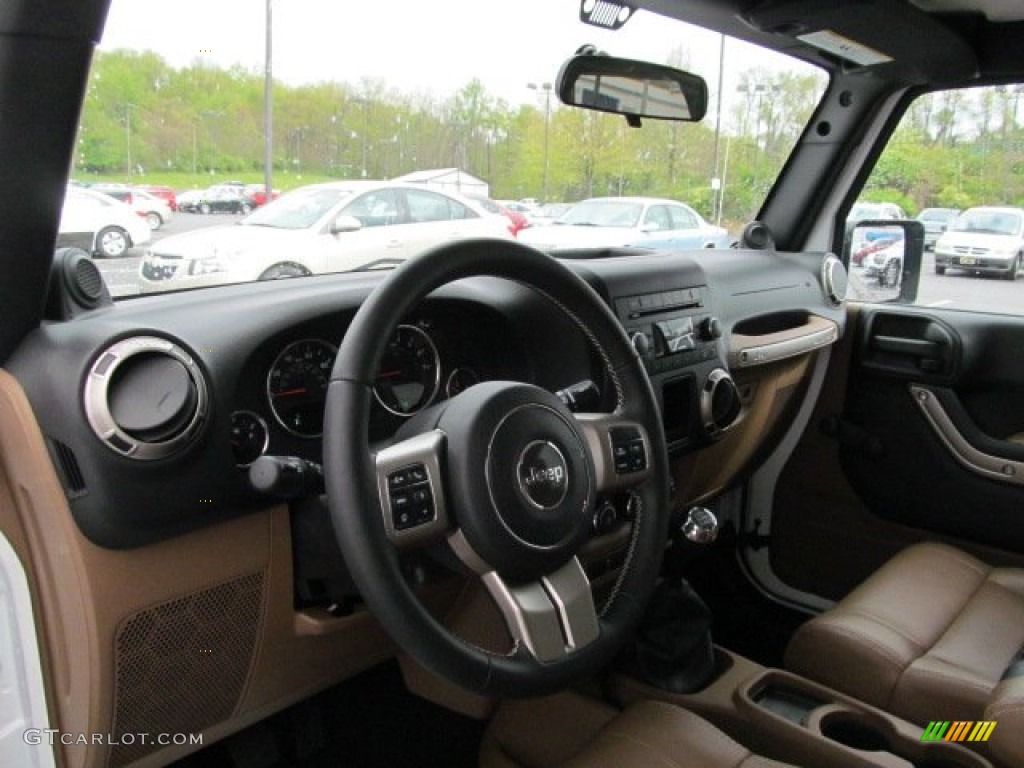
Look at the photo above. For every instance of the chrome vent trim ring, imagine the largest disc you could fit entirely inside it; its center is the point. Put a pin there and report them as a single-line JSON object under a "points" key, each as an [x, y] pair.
{"points": [[95, 396], [834, 279]]}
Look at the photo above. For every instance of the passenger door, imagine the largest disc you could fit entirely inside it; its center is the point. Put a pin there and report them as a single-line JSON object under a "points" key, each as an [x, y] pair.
{"points": [[382, 239], [918, 433], [436, 218]]}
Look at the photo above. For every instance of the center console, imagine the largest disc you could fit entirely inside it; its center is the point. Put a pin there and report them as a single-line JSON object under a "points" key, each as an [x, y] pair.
{"points": [[795, 720]]}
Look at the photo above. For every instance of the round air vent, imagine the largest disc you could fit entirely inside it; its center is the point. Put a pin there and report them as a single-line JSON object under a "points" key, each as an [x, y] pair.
{"points": [[833, 279], [145, 397], [720, 404]]}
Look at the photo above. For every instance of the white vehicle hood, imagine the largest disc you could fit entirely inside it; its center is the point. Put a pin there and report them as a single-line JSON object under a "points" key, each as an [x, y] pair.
{"points": [[228, 242], [985, 240], [565, 236]]}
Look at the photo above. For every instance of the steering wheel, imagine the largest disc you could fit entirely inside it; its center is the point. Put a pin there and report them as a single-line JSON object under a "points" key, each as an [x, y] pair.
{"points": [[506, 476]]}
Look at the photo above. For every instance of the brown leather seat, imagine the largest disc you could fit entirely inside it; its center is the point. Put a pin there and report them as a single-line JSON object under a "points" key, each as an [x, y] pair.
{"points": [[927, 637], [573, 731]]}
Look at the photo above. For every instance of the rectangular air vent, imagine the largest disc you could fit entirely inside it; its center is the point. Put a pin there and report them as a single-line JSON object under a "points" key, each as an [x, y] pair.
{"points": [[68, 469]]}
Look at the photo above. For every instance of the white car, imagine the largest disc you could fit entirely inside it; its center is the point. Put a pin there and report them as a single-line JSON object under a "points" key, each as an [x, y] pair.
{"points": [[987, 240], [610, 222], [154, 210], [333, 227], [100, 224]]}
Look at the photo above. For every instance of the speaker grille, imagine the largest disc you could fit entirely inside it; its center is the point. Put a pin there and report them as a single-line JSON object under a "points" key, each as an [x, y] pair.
{"points": [[89, 281], [181, 666]]}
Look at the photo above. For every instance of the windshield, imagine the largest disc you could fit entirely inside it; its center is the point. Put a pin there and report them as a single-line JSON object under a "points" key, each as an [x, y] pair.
{"points": [[300, 209], [988, 222], [604, 213], [452, 114]]}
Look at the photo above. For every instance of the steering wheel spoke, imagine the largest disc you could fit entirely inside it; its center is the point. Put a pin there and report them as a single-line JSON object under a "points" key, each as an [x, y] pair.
{"points": [[620, 449], [551, 617], [411, 491]]}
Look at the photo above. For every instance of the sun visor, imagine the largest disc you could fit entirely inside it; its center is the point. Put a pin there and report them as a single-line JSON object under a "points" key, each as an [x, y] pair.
{"points": [[850, 35]]}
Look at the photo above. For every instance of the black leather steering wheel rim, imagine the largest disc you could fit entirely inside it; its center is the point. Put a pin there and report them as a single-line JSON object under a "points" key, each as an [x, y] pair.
{"points": [[352, 482]]}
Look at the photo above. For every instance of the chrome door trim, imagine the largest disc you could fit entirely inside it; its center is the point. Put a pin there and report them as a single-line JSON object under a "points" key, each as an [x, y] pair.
{"points": [[992, 467]]}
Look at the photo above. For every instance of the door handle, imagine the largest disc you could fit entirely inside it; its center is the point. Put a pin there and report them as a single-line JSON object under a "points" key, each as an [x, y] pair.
{"points": [[902, 346]]}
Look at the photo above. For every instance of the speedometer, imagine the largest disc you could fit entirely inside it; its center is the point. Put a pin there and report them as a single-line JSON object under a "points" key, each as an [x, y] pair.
{"points": [[297, 386], [410, 372]]}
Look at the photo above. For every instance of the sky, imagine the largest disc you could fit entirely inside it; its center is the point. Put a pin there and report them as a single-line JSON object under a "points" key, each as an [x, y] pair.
{"points": [[432, 43]]}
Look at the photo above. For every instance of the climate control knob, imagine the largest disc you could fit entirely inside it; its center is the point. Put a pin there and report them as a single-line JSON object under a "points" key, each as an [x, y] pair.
{"points": [[640, 343], [710, 328], [719, 402]]}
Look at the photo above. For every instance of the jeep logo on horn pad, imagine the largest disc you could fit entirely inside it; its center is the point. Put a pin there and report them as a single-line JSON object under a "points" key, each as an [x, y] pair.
{"points": [[543, 474]]}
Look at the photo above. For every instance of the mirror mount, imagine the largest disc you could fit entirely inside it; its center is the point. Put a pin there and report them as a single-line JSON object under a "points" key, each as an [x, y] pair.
{"points": [[636, 89]]}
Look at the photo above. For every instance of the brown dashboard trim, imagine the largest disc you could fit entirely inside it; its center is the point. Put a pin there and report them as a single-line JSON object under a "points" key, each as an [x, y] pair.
{"points": [[84, 593]]}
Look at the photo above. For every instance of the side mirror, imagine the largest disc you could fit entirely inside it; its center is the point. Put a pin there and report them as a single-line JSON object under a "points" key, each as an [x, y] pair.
{"points": [[632, 88], [344, 223], [884, 260]]}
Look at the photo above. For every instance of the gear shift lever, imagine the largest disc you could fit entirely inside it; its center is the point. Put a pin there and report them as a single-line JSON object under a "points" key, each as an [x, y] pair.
{"points": [[700, 526]]}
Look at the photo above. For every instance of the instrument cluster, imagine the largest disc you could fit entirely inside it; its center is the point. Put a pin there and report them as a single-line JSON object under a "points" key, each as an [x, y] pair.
{"points": [[412, 375]]}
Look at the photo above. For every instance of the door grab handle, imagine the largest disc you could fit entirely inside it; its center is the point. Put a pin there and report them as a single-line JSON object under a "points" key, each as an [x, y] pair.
{"points": [[979, 462], [904, 346]]}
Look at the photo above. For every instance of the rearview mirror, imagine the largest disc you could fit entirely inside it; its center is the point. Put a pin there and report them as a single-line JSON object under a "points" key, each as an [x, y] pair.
{"points": [[632, 88]]}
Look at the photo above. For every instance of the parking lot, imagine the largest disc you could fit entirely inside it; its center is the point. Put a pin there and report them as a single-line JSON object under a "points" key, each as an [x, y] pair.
{"points": [[954, 290], [122, 274]]}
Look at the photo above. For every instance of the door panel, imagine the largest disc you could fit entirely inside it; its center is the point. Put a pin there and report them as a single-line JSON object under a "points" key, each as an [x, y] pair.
{"points": [[877, 469]]}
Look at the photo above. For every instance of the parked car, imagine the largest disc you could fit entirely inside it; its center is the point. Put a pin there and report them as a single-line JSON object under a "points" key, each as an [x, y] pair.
{"points": [[122, 192], [983, 240], [155, 210], [628, 221], [517, 206], [936, 221], [872, 246], [885, 263], [338, 226], [99, 224], [188, 199], [516, 221], [548, 213], [217, 199], [257, 193], [163, 192], [867, 211]]}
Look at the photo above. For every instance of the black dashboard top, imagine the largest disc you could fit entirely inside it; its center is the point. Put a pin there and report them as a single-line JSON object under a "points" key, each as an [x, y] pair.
{"points": [[259, 349]]}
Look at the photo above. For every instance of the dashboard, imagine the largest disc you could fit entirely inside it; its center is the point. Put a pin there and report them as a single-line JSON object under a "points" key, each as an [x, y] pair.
{"points": [[174, 396], [156, 413]]}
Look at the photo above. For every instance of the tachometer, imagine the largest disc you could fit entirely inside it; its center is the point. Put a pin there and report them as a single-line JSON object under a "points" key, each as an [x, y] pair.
{"points": [[410, 372], [460, 380], [297, 386]]}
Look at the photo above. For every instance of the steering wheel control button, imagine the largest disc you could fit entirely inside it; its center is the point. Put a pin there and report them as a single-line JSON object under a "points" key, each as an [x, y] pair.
{"points": [[628, 450], [543, 474], [412, 503]]}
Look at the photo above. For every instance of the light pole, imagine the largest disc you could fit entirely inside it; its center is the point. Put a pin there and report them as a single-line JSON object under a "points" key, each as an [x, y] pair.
{"points": [[364, 102], [546, 89], [268, 107], [717, 186], [128, 136]]}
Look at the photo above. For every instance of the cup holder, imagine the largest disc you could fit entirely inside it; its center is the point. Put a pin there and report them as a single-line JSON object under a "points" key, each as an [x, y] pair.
{"points": [[854, 731]]}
